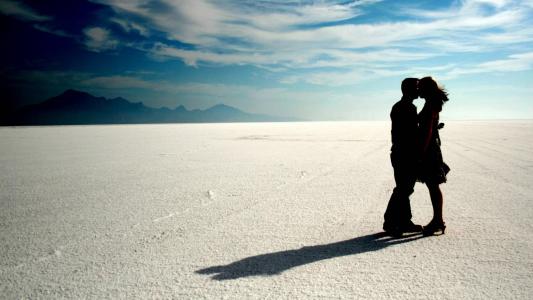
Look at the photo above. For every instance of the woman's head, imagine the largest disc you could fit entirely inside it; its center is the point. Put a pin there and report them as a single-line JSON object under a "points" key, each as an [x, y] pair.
{"points": [[431, 91]]}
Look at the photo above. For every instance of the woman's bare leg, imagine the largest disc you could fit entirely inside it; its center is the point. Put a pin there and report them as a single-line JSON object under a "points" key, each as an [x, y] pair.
{"points": [[436, 201]]}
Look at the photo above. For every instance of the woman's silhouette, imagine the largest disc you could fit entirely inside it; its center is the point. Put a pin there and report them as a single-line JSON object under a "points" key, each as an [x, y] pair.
{"points": [[432, 169]]}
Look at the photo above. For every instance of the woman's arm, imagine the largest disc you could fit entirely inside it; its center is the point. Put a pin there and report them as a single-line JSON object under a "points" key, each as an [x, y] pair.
{"points": [[428, 131]]}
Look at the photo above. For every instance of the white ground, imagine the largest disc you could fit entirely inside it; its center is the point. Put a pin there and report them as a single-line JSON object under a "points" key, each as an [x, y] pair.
{"points": [[261, 210]]}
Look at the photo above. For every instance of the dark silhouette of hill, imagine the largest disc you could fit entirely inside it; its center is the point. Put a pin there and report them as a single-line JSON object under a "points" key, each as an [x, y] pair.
{"points": [[76, 107]]}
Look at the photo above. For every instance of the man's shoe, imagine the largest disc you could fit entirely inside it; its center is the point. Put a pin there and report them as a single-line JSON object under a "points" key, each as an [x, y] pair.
{"points": [[392, 230], [411, 227]]}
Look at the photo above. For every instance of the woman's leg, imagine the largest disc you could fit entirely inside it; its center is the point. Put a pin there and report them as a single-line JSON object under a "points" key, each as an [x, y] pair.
{"points": [[436, 201]]}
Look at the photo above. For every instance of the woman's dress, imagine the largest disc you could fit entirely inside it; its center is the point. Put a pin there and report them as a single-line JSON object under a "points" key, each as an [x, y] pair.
{"points": [[432, 168]]}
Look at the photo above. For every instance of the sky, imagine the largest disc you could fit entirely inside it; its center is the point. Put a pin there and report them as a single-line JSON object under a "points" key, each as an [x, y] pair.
{"points": [[313, 60]]}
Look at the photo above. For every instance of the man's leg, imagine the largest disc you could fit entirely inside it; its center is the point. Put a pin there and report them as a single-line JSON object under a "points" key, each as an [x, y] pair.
{"points": [[395, 209], [391, 214], [405, 183], [398, 214]]}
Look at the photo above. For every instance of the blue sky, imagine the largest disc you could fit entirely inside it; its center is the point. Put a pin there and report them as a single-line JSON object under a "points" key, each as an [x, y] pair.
{"points": [[316, 60]]}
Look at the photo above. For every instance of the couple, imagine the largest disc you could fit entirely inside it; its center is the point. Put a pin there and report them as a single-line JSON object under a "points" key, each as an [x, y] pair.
{"points": [[416, 156]]}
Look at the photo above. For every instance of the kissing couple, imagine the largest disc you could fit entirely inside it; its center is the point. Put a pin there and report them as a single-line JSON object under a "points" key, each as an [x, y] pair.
{"points": [[416, 156]]}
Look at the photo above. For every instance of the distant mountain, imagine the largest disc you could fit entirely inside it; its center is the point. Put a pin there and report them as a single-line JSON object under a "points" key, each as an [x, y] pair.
{"points": [[76, 107]]}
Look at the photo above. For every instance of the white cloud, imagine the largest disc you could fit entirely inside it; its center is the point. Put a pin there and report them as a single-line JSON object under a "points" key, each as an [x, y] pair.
{"points": [[288, 35], [517, 36], [99, 39], [496, 3], [343, 78], [21, 11], [513, 63]]}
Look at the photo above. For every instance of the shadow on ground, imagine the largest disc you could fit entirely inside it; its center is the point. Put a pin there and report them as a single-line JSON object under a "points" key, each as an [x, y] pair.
{"points": [[275, 263]]}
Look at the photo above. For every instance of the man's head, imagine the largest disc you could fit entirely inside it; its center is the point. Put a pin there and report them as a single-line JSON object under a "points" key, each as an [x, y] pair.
{"points": [[410, 88]]}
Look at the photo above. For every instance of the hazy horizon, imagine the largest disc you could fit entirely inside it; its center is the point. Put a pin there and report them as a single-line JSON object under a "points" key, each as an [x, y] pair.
{"points": [[313, 60]]}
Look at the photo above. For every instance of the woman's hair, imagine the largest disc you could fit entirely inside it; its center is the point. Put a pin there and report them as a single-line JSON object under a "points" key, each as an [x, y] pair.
{"points": [[435, 93]]}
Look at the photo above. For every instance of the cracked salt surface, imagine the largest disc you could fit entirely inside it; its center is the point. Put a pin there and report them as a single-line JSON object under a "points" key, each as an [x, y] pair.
{"points": [[271, 210]]}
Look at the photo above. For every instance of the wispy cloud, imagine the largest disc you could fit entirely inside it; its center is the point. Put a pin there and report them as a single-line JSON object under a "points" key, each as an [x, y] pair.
{"points": [[121, 82], [130, 26], [25, 13], [51, 30], [21, 11]]}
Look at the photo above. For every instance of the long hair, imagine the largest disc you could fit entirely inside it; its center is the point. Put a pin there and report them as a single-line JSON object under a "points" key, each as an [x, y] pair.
{"points": [[433, 92]]}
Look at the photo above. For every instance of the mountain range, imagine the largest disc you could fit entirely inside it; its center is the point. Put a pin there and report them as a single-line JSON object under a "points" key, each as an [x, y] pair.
{"points": [[74, 107]]}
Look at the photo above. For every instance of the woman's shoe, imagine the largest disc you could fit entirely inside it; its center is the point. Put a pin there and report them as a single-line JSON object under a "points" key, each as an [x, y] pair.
{"points": [[434, 227]]}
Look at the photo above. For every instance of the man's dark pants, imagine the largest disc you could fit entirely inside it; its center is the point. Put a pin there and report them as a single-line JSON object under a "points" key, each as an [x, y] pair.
{"points": [[398, 210]]}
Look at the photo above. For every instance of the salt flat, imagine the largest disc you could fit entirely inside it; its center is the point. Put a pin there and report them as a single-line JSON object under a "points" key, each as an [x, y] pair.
{"points": [[264, 210]]}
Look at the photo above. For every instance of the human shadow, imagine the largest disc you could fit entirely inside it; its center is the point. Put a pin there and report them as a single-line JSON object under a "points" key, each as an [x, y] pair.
{"points": [[269, 264]]}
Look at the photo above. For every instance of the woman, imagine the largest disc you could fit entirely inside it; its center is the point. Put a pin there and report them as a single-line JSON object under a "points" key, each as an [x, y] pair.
{"points": [[432, 169]]}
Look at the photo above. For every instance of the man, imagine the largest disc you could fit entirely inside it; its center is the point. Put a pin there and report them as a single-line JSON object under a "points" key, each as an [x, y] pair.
{"points": [[404, 161]]}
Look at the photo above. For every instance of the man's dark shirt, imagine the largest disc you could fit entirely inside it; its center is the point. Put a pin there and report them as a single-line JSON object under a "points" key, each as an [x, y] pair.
{"points": [[404, 129]]}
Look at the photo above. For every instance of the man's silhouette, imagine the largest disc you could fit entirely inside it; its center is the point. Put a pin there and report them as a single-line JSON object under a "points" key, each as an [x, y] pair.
{"points": [[404, 160]]}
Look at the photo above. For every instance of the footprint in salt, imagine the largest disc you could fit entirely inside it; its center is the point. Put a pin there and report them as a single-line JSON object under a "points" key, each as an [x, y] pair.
{"points": [[51, 254], [210, 198], [163, 218]]}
